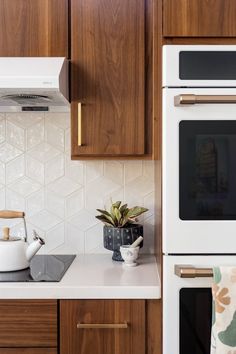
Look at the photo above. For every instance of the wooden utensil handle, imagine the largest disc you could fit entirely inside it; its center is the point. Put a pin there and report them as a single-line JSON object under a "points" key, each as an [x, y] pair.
{"points": [[11, 214]]}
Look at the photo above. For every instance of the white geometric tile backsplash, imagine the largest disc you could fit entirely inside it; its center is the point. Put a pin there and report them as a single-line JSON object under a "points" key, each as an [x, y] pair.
{"points": [[60, 196]]}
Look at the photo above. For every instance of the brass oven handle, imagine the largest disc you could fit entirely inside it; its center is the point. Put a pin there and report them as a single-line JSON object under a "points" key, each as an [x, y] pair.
{"points": [[187, 99], [188, 271], [102, 325], [79, 124]]}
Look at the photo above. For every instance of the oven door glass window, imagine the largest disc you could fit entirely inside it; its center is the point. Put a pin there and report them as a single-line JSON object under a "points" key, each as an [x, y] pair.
{"points": [[207, 170], [195, 320]]}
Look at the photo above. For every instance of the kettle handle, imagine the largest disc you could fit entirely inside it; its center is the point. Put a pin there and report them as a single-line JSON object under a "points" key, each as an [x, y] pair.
{"points": [[11, 214]]}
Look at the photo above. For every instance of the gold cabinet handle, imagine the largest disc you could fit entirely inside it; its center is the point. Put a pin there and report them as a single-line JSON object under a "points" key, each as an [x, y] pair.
{"points": [[188, 99], [79, 124], [188, 271], [102, 325]]}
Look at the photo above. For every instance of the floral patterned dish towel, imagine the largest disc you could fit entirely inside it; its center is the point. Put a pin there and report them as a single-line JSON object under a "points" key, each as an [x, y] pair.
{"points": [[223, 333]]}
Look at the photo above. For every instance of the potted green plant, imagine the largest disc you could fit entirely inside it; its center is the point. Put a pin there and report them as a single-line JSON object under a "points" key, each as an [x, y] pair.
{"points": [[120, 227]]}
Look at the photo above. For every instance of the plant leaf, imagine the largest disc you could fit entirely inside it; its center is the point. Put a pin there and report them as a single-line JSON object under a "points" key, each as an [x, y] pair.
{"points": [[106, 218], [136, 211], [122, 208], [118, 216], [103, 212], [116, 204]]}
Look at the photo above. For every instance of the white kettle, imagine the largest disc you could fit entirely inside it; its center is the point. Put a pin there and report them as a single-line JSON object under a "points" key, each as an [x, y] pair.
{"points": [[15, 252]]}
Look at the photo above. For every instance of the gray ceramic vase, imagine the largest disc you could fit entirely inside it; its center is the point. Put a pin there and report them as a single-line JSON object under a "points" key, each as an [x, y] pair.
{"points": [[114, 237]]}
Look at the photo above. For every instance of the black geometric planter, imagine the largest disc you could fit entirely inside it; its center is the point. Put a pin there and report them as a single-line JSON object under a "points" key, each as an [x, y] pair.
{"points": [[114, 237]]}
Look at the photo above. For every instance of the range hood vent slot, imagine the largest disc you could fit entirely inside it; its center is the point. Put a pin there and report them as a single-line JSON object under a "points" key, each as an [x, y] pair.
{"points": [[24, 99]]}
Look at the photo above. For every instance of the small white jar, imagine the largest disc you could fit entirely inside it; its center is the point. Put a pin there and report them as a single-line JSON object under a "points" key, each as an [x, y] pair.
{"points": [[129, 255]]}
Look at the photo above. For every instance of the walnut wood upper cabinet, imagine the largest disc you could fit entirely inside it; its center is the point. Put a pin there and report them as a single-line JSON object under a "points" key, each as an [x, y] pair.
{"points": [[33, 28], [108, 77], [199, 18], [102, 326]]}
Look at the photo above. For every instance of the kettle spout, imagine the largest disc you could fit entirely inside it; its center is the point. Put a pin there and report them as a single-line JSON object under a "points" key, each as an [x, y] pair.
{"points": [[34, 247]]}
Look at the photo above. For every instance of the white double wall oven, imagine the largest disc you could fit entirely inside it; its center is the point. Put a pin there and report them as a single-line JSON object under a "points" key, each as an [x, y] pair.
{"points": [[199, 187]]}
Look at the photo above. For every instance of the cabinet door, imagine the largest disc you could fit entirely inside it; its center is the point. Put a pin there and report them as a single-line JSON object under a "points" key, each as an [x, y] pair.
{"points": [[108, 77], [199, 18], [33, 28], [28, 323], [28, 351], [78, 340]]}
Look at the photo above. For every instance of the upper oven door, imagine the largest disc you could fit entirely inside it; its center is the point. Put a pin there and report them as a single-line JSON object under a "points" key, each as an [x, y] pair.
{"points": [[199, 171], [199, 65]]}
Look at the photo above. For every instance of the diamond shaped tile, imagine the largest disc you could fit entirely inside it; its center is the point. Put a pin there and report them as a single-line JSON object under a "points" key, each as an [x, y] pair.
{"points": [[113, 170], [14, 201], [74, 203], [15, 169], [74, 170], [133, 169], [2, 173], [34, 169], [26, 119], [54, 168], [149, 203], [2, 198], [2, 129], [94, 240], [61, 120], [68, 141], [35, 134], [55, 136], [74, 239], [54, 238], [8, 152], [55, 203], [35, 203], [83, 220], [98, 190], [136, 190], [15, 136], [44, 220], [63, 186], [43, 152], [24, 186], [94, 169]]}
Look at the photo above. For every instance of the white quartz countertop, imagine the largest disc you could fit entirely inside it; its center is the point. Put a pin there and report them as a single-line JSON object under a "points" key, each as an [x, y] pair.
{"points": [[94, 277]]}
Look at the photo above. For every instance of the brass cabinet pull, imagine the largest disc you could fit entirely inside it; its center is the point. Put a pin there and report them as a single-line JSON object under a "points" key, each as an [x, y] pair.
{"points": [[102, 325], [188, 271], [79, 124], [203, 99]]}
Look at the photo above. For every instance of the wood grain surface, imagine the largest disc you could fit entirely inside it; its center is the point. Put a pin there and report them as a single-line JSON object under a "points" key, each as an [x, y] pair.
{"points": [[102, 341], [28, 351], [28, 323], [108, 76], [33, 28], [199, 18]]}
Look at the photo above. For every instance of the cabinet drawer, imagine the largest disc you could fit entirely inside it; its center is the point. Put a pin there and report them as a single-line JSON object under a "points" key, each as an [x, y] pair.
{"points": [[110, 326], [28, 323], [28, 351]]}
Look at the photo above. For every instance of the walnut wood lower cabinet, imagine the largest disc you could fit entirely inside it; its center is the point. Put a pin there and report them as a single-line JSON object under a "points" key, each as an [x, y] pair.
{"points": [[28, 326], [102, 326], [28, 351]]}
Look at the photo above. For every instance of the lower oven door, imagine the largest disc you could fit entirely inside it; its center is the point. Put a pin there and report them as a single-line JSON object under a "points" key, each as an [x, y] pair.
{"points": [[187, 304], [199, 171]]}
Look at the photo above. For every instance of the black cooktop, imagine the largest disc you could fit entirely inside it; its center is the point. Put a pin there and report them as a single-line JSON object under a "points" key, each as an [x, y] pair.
{"points": [[47, 268]]}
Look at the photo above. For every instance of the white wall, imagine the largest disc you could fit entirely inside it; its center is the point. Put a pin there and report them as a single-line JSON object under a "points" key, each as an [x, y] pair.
{"points": [[58, 195]]}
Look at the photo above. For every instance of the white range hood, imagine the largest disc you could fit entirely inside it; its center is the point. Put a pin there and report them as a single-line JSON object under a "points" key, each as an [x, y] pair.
{"points": [[34, 84]]}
